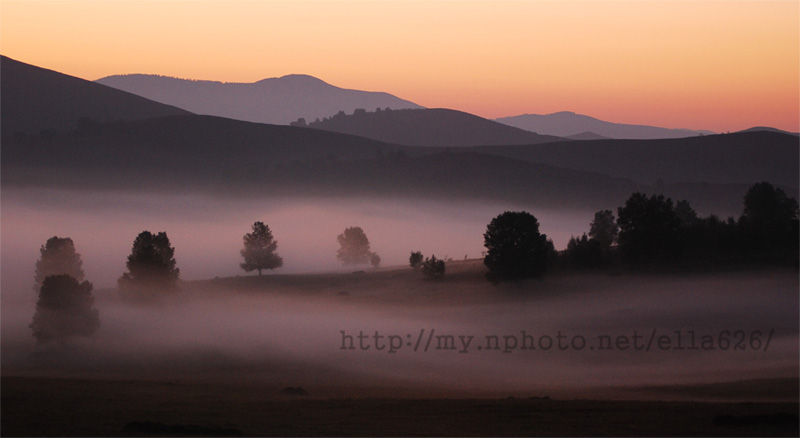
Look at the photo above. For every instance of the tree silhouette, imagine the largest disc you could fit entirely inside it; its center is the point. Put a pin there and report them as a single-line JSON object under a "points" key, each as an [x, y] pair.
{"points": [[770, 217], [259, 250], [353, 247], [375, 260], [415, 260], [301, 123], [604, 228], [58, 256], [515, 247], [648, 228], [433, 268], [64, 309], [686, 214], [151, 264], [584, 252]]}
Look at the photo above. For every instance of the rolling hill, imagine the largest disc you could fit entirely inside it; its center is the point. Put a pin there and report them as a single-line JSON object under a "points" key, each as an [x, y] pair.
{"points": [[209, 154], [429, 127], [36, 99], [234, 158], [214, 154], [740, 158], [766, 128], [568, 124], [275, 100]]}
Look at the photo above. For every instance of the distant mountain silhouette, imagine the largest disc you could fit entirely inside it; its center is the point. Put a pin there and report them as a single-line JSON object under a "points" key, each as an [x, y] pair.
{"points": [[565, 124], [36, 99], [429, 127], [768, 129], [214, 154], [276, 100]]}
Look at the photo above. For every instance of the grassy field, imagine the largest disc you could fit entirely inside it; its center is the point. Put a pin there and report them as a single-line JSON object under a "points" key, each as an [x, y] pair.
{"points": [[66, 407], [214, 359]]}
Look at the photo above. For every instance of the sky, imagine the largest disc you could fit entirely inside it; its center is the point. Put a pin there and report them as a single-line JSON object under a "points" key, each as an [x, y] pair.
{"points": [[717, 65]]}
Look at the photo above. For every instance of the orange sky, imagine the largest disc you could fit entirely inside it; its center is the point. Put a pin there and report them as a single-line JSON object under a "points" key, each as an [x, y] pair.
{"points": [[718, 65]]}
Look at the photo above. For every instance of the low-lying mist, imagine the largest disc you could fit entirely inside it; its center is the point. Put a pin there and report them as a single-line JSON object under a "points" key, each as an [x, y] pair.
{"points": [[274, 337], [291, 331], [207, 231]]}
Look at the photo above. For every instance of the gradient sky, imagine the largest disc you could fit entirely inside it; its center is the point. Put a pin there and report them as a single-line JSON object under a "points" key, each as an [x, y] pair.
{"points": [[718, 65]]}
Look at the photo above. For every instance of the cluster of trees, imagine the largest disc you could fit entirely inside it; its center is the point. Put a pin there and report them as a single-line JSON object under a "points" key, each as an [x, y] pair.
{"points": [[649, 229], [431, 267], [66, 304], [65, 307], [301, 122], [594, 250], [653, 229]]}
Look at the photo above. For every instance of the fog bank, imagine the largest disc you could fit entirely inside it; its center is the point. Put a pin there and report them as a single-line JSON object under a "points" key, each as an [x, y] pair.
{"points": [[296, 331]]}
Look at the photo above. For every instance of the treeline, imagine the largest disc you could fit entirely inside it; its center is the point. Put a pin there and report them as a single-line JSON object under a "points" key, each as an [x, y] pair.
{"points": [[647, 230], [654, 230], [301, 122]]}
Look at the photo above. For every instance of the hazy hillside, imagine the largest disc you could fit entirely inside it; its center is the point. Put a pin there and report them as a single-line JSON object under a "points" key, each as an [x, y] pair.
{"points": [[746, 157], [266, 160], [189, 142], [274, 100], [36, 99], [429, 127], [206, 153], [209, 154], [566, 124]]}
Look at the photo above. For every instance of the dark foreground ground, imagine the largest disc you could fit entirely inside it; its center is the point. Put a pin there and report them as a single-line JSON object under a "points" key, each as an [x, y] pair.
{"points": [[74, 407]]}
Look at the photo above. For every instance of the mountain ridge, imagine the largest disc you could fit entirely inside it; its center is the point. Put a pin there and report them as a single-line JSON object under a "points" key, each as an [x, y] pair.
{"points": [[188, 152], [568, 123], [279, 100], [768, 129], [37, 99], [430, 127]]}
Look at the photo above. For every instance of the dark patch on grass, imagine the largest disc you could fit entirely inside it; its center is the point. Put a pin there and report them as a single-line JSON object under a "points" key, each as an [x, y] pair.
{"points": [[157, 428]]}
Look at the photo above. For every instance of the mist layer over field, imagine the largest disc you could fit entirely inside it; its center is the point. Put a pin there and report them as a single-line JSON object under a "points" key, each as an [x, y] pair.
{"points": [[207, 231], [297, 330]]}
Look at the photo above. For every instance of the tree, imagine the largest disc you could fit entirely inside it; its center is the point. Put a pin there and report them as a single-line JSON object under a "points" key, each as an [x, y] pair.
{"points": [[584, 252], [259, 250], [770, 217], [433, 268], [515, 247], [64, 309], [353, 247], [415, 260], [151, 264], [375, 260], [686, 214], [300, 123], [58, 256], [648, 228], [604, 228]]}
